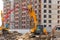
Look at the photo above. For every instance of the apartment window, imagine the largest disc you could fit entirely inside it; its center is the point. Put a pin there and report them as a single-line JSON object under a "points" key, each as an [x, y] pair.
{"points": [[39, 6], [58, 21], [49, 16], [44, 25], [35, 1], [58, 16], [23, 0], [35, 6], [23, 13], [16, 27], [45, 6], [57, 6], [58, 2], [45, 11], [39, 11], [16, 18], [16, 11], [49, 21], [58, 11], [45, 16], [23, 22], [16, 15], [23, 18], [35, 11], [23, 26], [16, 23], [49, 25], [45, 1], [49, 6], [39, 16], [39, 20], [44, 21], [50, 11], [49, 1]]}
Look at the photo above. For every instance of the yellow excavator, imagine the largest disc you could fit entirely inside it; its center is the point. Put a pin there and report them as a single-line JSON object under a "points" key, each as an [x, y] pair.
{"points": [[5, 30], [37, 29]]}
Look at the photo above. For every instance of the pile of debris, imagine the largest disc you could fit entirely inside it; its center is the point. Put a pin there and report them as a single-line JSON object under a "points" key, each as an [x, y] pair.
{"points": [[27, 36], [10, 36]]}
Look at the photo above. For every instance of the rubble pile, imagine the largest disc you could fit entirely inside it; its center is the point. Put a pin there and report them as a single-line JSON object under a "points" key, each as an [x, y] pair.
{"points": [[2, 38], [10, 36], [26, 37]]}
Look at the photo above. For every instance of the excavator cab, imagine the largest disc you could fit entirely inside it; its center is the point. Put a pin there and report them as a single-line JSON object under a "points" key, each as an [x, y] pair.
{"points": [[6, 29], [39, 29]]}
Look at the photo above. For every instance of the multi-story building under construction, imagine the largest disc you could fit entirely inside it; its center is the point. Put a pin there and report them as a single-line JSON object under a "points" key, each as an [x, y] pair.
{"points": [[50, 13], [47, 12], [19, 18]]}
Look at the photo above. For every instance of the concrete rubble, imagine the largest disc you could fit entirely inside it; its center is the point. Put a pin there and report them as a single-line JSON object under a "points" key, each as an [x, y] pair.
{"points": [[18, 36], [10, 36], [27, 37]]}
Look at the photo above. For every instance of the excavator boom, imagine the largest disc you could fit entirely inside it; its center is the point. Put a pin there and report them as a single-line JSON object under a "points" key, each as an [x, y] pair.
{"points": [[32, 15]]}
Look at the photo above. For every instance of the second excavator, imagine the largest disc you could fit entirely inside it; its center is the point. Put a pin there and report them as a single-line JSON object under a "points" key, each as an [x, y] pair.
{"points": [[5, 30]]}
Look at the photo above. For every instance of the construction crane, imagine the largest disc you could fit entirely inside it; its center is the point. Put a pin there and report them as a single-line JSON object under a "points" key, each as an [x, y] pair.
{"points": [[37, 29]]}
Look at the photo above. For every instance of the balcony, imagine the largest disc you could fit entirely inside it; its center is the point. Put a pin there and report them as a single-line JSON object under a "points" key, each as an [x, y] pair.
{"points": [[16, 9], [16, 25], [23, 11], [16, 19], [8, 4], [23, 15], [16, 5], [23, 20], [23, 3]]}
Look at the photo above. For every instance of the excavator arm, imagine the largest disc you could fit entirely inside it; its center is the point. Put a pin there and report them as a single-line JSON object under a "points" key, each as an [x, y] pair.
{"points": [[32, 15]]}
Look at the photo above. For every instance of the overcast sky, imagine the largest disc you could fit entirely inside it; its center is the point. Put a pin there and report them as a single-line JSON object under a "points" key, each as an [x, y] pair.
{"points": [[1, 8]]}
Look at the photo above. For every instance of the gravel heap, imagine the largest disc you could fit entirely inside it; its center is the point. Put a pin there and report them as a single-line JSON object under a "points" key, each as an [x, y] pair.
{"points": [[26, 37], [10, 36]]}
